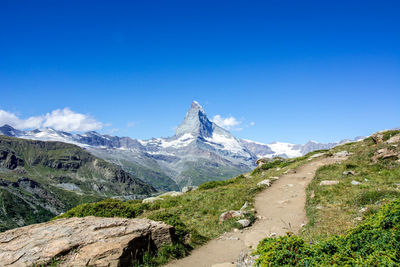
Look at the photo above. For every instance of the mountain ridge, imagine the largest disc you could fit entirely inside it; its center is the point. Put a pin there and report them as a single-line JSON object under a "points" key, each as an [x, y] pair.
{"points": [[199, 151]]}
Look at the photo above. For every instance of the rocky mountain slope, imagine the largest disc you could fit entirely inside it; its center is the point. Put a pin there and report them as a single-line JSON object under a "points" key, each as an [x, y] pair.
{"points": [[39, 180], [199, 151]]}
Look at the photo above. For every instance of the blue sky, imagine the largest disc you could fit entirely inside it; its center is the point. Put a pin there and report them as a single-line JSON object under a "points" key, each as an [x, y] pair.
{"points": [[297, 70]]}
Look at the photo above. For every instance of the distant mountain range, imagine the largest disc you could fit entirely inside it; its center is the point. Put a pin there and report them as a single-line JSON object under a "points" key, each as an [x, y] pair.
{"points": [[199, 151]]}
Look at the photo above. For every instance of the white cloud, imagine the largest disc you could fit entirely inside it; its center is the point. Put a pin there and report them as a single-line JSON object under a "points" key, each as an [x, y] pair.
{"points": [[67, 120], [229, 123], [131, 124], [59, 119], [113, 130], [252, 123], [13, 120]]}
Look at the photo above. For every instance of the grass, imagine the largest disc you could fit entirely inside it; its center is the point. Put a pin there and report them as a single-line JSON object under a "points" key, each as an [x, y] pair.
{"points": [[350, 225], [335, 209], [194, 214], [374, 242]]}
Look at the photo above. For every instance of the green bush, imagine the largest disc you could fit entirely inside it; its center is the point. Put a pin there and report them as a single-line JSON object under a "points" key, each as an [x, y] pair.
{"points": [[106, 208], [181, 231], [388, 134], [277, 163], [214, 184], [374, 242]]}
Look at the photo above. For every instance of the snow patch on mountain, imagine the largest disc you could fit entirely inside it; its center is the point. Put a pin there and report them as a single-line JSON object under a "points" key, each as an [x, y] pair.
{"points": [[227, 142], [182, 141]]}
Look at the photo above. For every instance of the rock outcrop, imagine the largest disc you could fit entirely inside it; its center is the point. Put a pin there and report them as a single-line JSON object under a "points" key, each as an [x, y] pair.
{"points": [[89, 241], [329, 182]]}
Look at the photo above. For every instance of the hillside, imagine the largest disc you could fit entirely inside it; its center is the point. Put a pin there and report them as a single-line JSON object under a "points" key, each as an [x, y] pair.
{"points": [[39, 180], [366, 180], [353, 209]]}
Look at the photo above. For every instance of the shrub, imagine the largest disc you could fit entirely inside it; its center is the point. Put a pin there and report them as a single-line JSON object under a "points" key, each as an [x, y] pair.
{"points": [[376, 241], [213, 184], [105, 208], [181, 230], [277, 163], [388, 134]]}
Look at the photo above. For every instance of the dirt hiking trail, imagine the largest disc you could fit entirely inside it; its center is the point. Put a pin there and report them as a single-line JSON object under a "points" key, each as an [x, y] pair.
{"points": [[280, 208]]}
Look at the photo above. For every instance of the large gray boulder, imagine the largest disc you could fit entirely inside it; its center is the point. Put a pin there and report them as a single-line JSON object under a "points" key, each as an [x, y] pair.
{"points": [[189, 188], [89, 241]]}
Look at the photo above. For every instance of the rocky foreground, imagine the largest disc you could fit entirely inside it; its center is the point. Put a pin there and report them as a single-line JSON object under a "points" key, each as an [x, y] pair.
{"points": [[89, 241]]}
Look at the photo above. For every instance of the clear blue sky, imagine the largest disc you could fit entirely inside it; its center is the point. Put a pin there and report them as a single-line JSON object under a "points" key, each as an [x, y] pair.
{"points": [[300, 70]]}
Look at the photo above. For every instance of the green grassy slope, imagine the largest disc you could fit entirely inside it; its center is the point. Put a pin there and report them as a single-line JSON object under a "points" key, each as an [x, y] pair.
{"points": [[355, 222]]}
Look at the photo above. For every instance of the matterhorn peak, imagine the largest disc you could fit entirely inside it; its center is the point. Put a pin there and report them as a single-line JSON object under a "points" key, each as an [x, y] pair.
{"points": [[196, 122], [196, 106]]}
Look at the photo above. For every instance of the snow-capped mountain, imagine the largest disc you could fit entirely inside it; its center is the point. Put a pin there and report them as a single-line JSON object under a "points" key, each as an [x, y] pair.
{"points": [[199, 151], [288, 150]]}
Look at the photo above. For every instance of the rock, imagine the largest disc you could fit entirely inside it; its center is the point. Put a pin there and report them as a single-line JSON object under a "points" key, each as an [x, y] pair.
{"points": [[290, 171], [246, 204], [89, 241], [272, 235], [385, 153], [342, 154], [349, 173], [171, 194], [189, 188], [9, 160], [274, 177], [264, 183], [244, 223], [151, 199], [377, 138], [317, 155], [262, 161], [246, 259], [394, 139], [355, 183], [229, 215], [363, 210], [328, 182]]}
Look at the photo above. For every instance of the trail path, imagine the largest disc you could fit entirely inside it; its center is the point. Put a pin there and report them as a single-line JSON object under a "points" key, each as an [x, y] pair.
{"points": [[280, 208]]}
